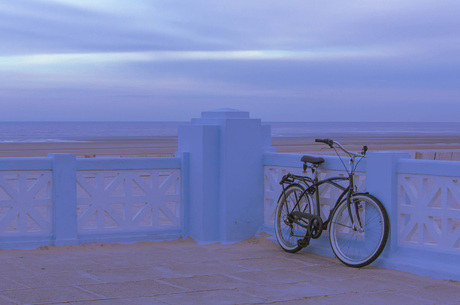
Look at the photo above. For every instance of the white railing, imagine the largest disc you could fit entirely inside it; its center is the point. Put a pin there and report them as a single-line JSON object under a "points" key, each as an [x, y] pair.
{"points": [[422, 199], [429, 205], [127, 200], [64, 200]]}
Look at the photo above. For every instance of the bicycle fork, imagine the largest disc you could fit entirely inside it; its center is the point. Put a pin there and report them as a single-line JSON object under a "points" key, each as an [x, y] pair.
{"points": [[353, 210], [353, 207]]}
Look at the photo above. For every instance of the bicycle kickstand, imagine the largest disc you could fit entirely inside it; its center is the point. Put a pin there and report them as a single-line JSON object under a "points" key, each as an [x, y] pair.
{"points": [[304, 242]]}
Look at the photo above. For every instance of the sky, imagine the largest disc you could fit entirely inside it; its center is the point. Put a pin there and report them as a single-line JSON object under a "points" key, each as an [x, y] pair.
{"points": [[169, 60]]}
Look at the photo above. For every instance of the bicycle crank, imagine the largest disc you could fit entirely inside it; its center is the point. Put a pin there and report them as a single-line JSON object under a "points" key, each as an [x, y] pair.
{"points": [[315, 223]]}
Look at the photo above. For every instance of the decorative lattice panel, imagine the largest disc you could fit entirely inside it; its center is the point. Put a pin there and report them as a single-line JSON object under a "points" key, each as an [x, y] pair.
{"points": [[429, 211], [328, 194], [128, 200], [25, 202]]}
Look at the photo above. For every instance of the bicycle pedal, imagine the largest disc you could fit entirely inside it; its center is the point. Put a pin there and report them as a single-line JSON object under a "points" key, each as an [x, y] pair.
{"points": [[302, 243]]}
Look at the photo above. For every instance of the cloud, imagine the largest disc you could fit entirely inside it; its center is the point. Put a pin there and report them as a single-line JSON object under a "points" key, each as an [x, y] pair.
{"points": [[260, 51], [88, 26]]}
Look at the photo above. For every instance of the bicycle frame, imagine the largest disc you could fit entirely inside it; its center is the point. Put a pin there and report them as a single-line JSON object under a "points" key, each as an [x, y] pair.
{"points": [[312, 187]]}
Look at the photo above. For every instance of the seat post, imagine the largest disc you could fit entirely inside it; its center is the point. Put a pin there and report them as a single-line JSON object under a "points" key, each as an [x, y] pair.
{"points": [[314, 170]]}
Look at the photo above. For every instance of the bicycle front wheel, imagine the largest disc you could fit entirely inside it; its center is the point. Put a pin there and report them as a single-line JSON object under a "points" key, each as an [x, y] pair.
{"points": [[287, 231], [359, 247]]}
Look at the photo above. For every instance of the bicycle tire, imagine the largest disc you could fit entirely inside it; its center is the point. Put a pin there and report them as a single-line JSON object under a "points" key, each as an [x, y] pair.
{"points": [[287, 232], [354, 248]]}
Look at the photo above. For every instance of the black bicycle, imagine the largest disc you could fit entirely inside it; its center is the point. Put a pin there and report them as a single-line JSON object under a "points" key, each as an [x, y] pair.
{"points": [[358, 223]]}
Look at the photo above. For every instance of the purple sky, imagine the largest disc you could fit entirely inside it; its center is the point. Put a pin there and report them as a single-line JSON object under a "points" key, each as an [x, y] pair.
{"points": [[298, 60]]}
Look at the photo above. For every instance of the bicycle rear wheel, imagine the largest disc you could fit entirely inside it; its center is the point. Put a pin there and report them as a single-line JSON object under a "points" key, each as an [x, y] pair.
{"points": [[287, 231], [355, 248]]}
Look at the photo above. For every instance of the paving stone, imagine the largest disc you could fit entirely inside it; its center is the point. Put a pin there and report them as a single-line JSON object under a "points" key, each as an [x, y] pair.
{"points": [[247, 253], [357, 285], [277, 276], [266, 263], [6, 301], [8, 284], [206, 282], [403, 279], [58, 264], [127, 301], [58, 279], [48, 295], [202, 268], [336, 271], [220, 297], [133, 289], [129, 274], [301, 301], [445, 293], [286, 292], [12, 270], [378, 298]]}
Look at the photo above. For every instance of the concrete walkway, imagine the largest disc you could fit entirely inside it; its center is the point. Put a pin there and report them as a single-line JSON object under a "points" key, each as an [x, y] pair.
{"points": [[256, 271]]}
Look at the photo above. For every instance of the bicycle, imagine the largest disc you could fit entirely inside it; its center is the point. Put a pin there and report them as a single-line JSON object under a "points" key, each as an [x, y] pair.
{"points": [[358, 223]]}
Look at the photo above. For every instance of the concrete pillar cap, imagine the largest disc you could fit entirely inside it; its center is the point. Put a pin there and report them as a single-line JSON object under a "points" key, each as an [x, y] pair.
{"points": [[224, 113]]}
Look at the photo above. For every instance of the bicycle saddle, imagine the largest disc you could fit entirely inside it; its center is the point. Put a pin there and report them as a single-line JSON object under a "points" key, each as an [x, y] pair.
{"points": [[312, 160]]}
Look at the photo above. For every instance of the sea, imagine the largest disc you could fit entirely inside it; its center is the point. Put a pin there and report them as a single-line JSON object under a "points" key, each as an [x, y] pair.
{"points": [[55, 132]]}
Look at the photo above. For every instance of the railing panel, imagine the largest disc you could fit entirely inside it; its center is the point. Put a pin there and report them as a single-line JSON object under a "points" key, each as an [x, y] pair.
{"points": [[429, 212], [128, 200], [25, 203]]}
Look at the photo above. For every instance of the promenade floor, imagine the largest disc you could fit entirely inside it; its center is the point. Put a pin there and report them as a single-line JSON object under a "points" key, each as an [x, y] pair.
{"points": [[255, 271]]}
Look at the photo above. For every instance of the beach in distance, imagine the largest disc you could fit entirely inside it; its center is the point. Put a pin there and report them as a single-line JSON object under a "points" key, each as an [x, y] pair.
{"points": [[435, 141]]}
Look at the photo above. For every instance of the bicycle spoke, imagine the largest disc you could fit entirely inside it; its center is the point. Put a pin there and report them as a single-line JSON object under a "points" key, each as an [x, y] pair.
{"points": [[341, 224]]}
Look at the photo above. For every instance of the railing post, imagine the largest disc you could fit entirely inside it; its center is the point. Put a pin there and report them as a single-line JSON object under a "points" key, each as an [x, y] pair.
{"points": [[226, 175], [64, 199], [185, 192], [382, 182]]}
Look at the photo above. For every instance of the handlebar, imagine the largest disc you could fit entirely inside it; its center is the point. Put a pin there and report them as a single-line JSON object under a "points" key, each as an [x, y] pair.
{"points": [[331, 144], [325, 141]]}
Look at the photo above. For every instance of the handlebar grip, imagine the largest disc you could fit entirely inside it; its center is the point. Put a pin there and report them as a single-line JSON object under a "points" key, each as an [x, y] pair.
{"points": [[325, 141]]}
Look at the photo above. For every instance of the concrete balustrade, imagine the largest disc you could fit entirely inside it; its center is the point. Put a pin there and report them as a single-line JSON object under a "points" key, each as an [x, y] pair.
{"points": [[61, 200]]}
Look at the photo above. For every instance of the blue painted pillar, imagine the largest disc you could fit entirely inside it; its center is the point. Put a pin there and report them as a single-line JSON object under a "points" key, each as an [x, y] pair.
{"points": [[64, 199], [382, 182], [226, 183]]}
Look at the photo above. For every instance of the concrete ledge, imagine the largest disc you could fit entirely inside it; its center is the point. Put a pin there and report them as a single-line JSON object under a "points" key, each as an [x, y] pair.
{"points": [[128, 163], [429, 167], [26, 242], [293, 160], [21, 164]]}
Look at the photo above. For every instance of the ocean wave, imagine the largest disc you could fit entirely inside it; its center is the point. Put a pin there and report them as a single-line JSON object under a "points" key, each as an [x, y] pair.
{"points": [[42, 141]]}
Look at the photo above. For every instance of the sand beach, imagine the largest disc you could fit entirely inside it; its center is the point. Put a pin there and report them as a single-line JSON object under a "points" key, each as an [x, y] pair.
{"points": [[430, 147], [158, 147], [128, 139]]}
